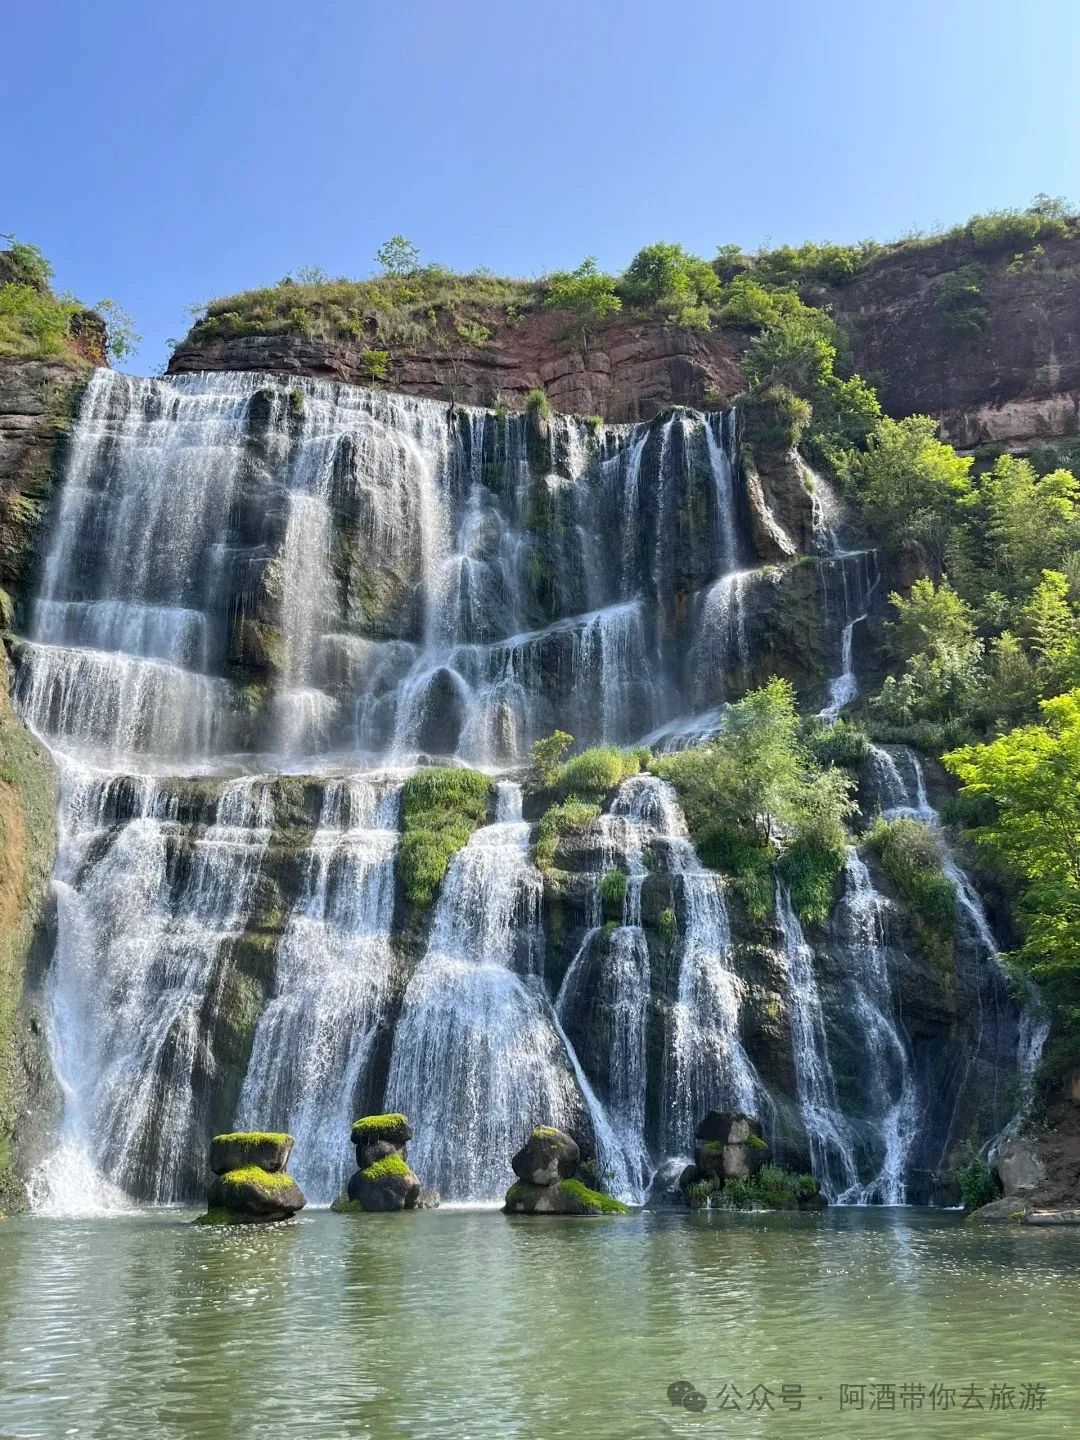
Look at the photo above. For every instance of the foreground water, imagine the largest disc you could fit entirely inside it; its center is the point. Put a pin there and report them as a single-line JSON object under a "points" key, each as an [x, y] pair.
{"points": [[467, 1324]]}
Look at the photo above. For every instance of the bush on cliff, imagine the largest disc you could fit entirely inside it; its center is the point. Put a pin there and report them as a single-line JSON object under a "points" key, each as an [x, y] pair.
{"points": [[556, 821], [440, 809], [910, 854], [596, 772]]}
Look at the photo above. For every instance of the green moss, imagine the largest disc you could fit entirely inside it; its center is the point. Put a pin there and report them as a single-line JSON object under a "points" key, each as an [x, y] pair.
{"points": [[378, 1127], [220, 1216], [756, 1143], [253, 1175], [387, 1167], [910, 854], [592, 1202], [516, 1193], [255, 1137], [440, 809], [344, 1206], [558, 820], [547, 1132]]}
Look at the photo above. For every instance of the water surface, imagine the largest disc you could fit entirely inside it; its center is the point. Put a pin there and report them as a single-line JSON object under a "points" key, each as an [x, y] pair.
{"points": [[468, 1324]]}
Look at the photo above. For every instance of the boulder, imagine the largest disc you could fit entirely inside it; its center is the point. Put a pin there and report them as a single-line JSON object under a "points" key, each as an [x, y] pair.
{"points": [[1010, 1210], [566, 1197], [393, 1128], [372, 1151], [252, 1193], [1052, 1217], [729, 1127], [264, 1150], [389, 1184], [1019, 1168], [549, 1155]]}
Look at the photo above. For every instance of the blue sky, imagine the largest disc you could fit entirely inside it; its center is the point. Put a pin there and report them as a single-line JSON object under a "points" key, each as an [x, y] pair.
{"points": [[163, 154]]}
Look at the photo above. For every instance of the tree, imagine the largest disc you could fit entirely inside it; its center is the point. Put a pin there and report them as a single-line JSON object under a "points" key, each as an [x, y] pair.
{"points": [[124, 339], [911, 484], [587, 292], [680, 285], [1032, 776], [547, 756], [931, 618], [1054, 628], [1031, 520], [398, 256]]}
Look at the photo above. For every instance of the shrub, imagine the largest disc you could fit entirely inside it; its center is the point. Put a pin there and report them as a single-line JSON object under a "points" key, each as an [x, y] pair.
{"points": [[668, 279], [559, 820], [844, 743], [958, 297], [547, 756], [910, 854], [667, 925], [537, 405], [595, 773], [773, 1188], [375, 364], [440, 809], [977, 1182]]}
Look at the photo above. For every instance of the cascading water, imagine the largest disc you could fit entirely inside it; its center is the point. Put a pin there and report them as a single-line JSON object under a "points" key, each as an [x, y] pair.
{"points": [[853, 575], [143, 927], [900, 788], [475, 1051], [314, 1042]]}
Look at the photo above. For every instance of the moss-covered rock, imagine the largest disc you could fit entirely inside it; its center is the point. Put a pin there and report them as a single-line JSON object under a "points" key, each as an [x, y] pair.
{"points": [[266, 1150], [547, 1156], [394, 1128], [388, 1184], [567, 1197], [440, 809], [256, 1193]]}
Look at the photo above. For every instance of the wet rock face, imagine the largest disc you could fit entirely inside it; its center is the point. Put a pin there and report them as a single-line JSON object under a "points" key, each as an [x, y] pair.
{"points": [[1014, 382], [630, 370]]}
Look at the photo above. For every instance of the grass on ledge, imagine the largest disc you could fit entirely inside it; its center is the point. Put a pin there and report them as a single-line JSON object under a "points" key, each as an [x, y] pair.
{"points": [[440, 809]]}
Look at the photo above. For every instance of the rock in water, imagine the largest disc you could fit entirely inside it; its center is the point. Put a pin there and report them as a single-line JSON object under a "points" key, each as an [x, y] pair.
{"points": [[384, 1180], [1019, 1168], [268, 1151], [547, 1156], [251, 1193], [389, 1184], [729, 1127], [547, 1164]]}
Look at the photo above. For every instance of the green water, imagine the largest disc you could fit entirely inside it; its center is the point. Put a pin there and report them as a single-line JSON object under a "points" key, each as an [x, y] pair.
{"points": [[467, 1324]]}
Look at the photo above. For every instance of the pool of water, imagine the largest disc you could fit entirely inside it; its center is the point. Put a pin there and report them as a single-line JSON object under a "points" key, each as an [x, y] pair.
{"points": [[468, 1324]]}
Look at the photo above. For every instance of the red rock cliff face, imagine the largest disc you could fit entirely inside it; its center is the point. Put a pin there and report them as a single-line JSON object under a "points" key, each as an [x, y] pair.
{"points": [[1015, 382], [628, 370]]}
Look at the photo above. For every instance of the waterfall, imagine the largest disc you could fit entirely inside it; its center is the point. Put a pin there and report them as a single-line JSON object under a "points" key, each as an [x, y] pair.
{"points": [[721, 651], [900, 787], [858, 579], [314, 1041], [890, 1101], [722, 464], [143, 922], [832, 1144], [475, 1051]]}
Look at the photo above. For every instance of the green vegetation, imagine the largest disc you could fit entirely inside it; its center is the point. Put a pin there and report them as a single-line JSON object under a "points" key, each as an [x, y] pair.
{"points": [[757, 798], [254, 1137], [592, 1202], [440, 809], [958, 299], [390, 1127], [36, 323], [977, 1182], [537, 405], [558, 820], [593, 774], [1031, 778], [910, 854], [586, 292], [233, 1183], [389, 1167], [344, 1206], [672, 283], [547, 756], [667, 925], [772, 1188], [217, 1215], [613, 886]]}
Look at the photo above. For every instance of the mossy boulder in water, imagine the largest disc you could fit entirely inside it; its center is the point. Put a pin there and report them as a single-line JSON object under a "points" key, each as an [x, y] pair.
{"points": [[728, 1146], [565, 1197], [384, 1180], [549, 1155], [388, 1184], [252, 1193], [267, 1150]]}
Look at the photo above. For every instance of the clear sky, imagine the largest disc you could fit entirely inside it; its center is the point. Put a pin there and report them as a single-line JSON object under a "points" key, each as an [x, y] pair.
{"points": [[166, 153]]}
